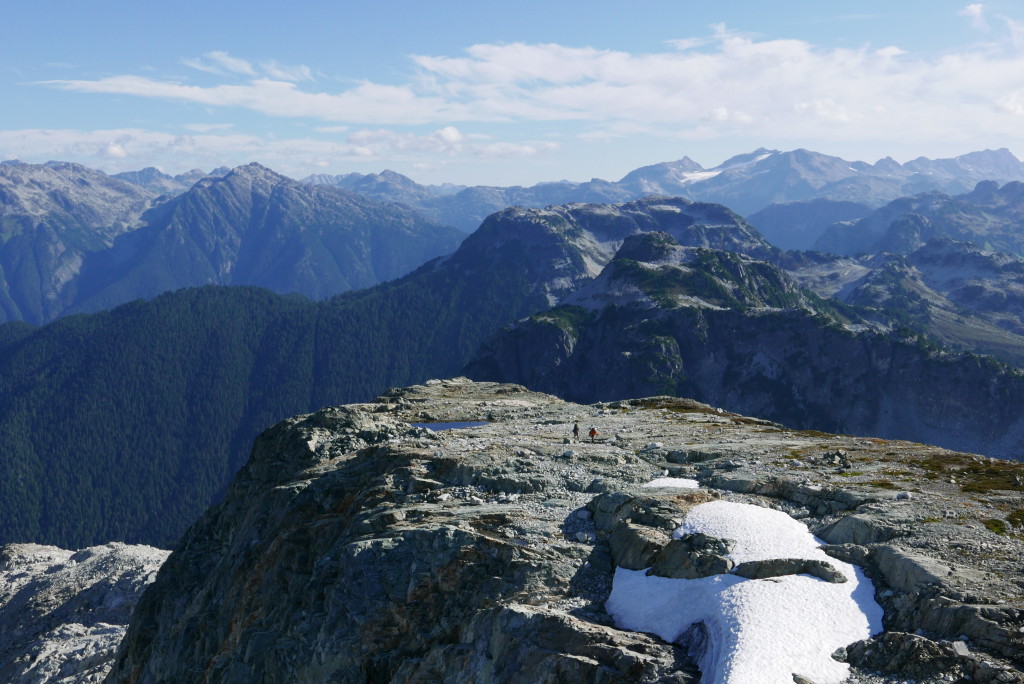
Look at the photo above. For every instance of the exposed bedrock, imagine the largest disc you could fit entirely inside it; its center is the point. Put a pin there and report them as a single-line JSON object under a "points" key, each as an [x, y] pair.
{"points": [[357, 547]]}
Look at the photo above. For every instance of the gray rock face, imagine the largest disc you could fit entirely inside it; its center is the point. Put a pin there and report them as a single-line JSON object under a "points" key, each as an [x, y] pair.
{"points": [[63, 613], [694, 556], [777, 567], [356, 547]]}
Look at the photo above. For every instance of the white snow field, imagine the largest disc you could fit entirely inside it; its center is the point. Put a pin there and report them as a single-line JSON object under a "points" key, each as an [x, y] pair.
{"points": [[763, 630]]}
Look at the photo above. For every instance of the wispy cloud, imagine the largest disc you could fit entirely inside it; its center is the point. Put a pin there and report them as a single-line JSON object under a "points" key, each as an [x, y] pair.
{"points": [[975, 12], [287, 73], [220, 62], [448, 141], [724, 85], [364, 103], [1016, 29], [127, 149]]}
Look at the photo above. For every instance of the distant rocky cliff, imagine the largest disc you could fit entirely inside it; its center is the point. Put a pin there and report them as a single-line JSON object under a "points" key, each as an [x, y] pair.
{"points": [[357, 547]]}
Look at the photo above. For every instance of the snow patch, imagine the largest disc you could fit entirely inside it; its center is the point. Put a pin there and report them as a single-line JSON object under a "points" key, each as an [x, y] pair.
{"points": [[695, 176], [741, 631], [675, 482]]}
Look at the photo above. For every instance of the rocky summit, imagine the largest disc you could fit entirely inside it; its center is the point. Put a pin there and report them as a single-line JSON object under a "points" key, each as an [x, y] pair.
{"points": [[370, 543]]}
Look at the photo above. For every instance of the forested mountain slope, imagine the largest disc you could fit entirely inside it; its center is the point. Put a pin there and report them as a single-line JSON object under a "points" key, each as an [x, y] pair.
{"points": [[76, 240], [126, 424]]}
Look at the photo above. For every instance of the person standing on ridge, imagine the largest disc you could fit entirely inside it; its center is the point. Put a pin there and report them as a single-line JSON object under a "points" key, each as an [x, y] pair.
{"points": [[593, 434], [576, 432]]}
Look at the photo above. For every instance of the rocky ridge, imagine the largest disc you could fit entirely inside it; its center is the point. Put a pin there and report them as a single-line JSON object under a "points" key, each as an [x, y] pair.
{"points": [[358, 546], [256, 227], [159, 182], [962, 296], [74, 240], [51, 217], [988, 215], [63, 613]]}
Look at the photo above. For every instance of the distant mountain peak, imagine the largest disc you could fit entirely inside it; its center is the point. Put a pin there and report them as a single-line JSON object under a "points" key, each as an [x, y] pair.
{"points": [[740, 159], [254, 169], [650, 247]]}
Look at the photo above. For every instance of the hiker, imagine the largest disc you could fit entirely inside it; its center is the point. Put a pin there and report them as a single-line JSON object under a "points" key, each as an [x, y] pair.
{"points": [[576, 432], [593, 434]]}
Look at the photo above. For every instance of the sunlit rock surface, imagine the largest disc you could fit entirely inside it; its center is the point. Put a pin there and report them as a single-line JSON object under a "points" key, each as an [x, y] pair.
{"points": [[356, 547], [63, 613]]}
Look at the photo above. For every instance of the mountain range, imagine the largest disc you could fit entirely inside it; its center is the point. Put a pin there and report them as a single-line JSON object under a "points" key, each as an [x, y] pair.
{"points": [[355, 544], [989, 216], [125, 424], [746, 183], [76, 240]]}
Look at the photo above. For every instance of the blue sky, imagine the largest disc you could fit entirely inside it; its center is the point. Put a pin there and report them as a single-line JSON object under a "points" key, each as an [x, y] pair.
{"points": [[504, 93]]}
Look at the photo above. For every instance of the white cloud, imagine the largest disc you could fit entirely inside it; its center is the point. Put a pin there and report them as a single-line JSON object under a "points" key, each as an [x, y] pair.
{"points": [[1013, 103], [287, 73], [113, 151], [130, 149], [975, 12], [450, 134], [208, 128], [724, 86]]}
